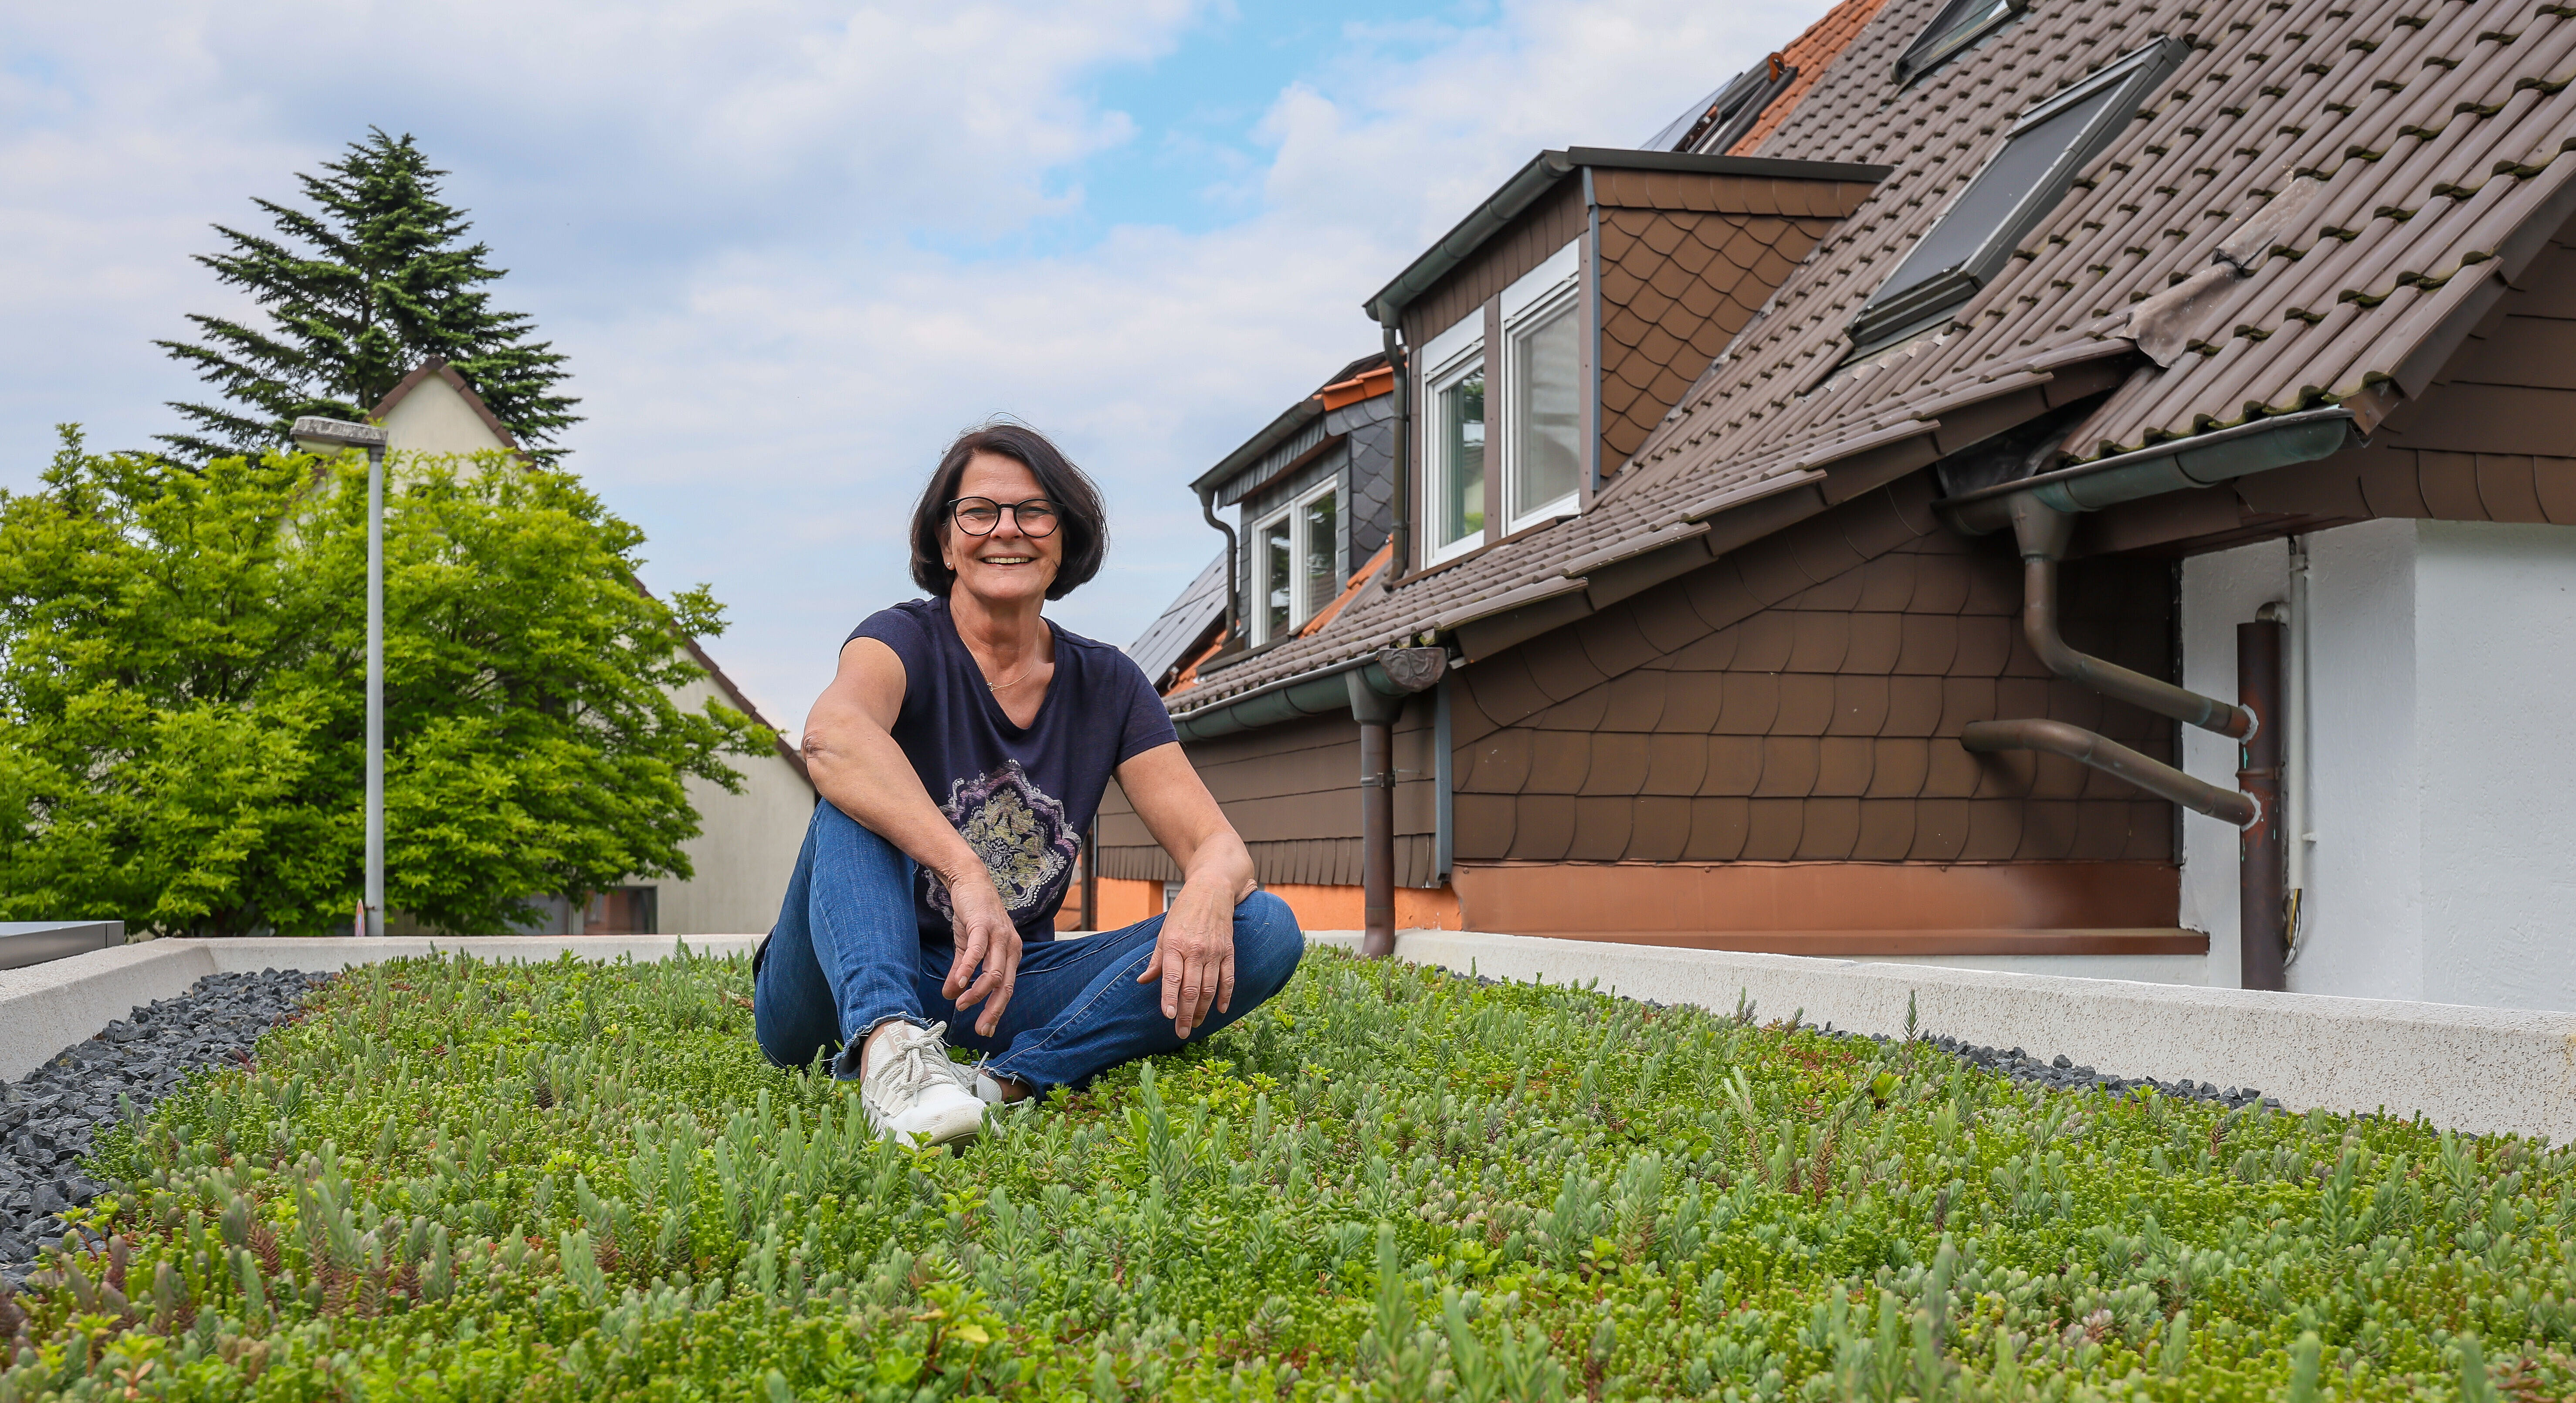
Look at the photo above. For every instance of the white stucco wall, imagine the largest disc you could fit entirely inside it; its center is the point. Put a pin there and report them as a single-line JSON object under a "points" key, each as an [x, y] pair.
{"points": [[2364, 922], [433, 419], [2442, 786], [2495, 669], [745, 847]]}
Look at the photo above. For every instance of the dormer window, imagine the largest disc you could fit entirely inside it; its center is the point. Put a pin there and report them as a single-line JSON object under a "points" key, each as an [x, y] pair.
{"points": [[1297, 562], [2049, 145], [1960, 24], [1454, 379], [1547, 336], [1543, 397]]}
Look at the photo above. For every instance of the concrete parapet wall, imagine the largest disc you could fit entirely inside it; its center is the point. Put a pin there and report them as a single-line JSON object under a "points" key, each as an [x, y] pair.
{"points": [[46, 1008], [2474, 1069]]}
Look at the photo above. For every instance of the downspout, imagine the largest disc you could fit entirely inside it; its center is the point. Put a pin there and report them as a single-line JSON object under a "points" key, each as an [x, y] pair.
{"points": [[2111, 758], [1091, 876], [1233, 566], [1376, 713], [1372, 688], [2043, 532], [1400, 494], [2040, 509], [2261, 906]]}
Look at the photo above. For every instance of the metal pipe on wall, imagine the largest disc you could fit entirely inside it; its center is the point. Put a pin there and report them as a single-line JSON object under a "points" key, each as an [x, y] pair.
{"points": [[1406, 671], [1400, 497], [2298, 824], [1377, 830], [2261, 893], [1233, 567], [2044, 533], [2110, 757]]}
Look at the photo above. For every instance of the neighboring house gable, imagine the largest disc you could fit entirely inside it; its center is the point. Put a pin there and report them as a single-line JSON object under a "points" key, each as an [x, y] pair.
{"points": [[746, 842], [433, 411]]}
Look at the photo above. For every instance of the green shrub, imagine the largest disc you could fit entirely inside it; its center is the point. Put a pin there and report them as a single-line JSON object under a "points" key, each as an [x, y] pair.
{"points": [[568, 1181]]}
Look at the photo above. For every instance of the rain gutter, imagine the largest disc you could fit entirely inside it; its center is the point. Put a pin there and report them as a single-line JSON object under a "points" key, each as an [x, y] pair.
{"points": [[2178, 465], [1322, 691]]}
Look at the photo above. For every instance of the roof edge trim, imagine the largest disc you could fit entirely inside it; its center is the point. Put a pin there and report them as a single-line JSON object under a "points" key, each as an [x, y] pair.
{"points": [[438, 366], [1278, 431]]}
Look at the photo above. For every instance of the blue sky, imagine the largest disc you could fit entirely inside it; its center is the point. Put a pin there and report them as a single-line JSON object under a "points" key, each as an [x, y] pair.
{"points": [[791, 246]]}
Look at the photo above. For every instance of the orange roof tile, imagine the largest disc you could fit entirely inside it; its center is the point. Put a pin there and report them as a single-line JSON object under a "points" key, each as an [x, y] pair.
{"points": [[1811, 54]]}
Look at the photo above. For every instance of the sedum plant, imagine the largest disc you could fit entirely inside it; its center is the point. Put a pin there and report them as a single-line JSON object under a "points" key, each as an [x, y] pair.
{"points": [[461, 1180]]}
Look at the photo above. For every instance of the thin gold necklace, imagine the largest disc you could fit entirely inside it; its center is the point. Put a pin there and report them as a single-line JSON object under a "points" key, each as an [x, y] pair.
{"points": [[1025, 670]]}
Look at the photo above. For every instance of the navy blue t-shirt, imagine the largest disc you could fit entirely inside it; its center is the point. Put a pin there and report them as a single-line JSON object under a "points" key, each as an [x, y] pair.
{"points": [[1021, 796]]}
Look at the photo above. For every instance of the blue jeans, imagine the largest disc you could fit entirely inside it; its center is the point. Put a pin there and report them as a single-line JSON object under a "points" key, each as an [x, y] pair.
{"points": [[847, 954]]}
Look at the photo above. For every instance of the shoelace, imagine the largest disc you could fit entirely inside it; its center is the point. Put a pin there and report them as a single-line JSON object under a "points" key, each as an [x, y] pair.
{"points": [[916, 1063]]}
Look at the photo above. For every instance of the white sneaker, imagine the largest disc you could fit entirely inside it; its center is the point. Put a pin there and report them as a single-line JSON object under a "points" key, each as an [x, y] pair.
{"points": [[913, 1093], [989, 1091]]}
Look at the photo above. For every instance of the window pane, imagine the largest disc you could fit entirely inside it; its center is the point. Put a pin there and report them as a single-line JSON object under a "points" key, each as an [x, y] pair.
{"points": [[2005, 201], [2000, 189], [1964, 26], [1278, 576], [1460, 509], [1321, 526], [1545, 408]]}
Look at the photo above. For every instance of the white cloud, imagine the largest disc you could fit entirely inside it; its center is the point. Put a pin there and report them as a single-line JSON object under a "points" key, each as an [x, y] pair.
{"points": [[766, 234]]}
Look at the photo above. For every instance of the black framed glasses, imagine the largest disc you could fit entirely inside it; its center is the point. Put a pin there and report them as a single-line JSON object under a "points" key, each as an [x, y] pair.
{"points": [[977, 516]]}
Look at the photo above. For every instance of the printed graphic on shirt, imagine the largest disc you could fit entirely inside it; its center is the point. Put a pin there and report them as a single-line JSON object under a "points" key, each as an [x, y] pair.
{"points": [[1018, 829]]}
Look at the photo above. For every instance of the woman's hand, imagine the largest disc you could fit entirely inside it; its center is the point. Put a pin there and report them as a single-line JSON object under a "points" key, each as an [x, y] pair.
{"points": [[988, 950], [1194, 957]]}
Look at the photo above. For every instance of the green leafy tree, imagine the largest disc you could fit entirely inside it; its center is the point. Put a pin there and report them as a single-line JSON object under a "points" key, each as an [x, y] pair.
{"points": [[376, 278], [182, 695]]}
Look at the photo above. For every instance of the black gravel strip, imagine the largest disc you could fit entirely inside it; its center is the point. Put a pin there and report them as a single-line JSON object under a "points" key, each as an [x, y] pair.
{"points": [[47, 1119], [2063, 1074]]}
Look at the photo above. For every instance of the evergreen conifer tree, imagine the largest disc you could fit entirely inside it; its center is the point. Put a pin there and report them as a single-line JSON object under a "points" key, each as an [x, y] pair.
{"points": [[377, 278]]}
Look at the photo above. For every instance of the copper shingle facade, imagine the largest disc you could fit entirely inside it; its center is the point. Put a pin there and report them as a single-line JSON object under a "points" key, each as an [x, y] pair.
{"points": [[1801, 700]]}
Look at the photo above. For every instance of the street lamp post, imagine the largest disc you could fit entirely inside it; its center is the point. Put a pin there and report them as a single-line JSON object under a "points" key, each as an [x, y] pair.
{"points": [[320, 435]]}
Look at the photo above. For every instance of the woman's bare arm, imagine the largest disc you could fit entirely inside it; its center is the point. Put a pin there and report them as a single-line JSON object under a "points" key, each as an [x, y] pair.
{"points": [[1195, 956], [851, 753]]}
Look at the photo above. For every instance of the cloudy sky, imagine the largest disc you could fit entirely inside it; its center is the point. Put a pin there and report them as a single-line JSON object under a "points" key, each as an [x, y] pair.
{"points": [[791, 246]]}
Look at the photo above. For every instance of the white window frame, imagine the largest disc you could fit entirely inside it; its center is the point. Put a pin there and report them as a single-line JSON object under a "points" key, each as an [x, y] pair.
{"points": [[1548, 290], [1448, 358], [1294, 514]]}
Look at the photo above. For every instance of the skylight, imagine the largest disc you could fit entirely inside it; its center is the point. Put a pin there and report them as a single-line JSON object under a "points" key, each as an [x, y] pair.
{"points": [[2049, 145], [1722, 118], [1960, 23]]}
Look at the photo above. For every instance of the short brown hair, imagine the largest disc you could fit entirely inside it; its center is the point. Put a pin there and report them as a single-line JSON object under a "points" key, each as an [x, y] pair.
{"points": [[1081, 519]]}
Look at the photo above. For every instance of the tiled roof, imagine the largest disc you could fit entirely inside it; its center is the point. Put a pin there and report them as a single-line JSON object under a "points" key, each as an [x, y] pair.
{"points": [[2436, 127], [1811, 54]]}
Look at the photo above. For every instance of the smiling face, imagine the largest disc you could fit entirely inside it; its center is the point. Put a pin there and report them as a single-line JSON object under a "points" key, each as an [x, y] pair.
{"points": [[1005, 568]]}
